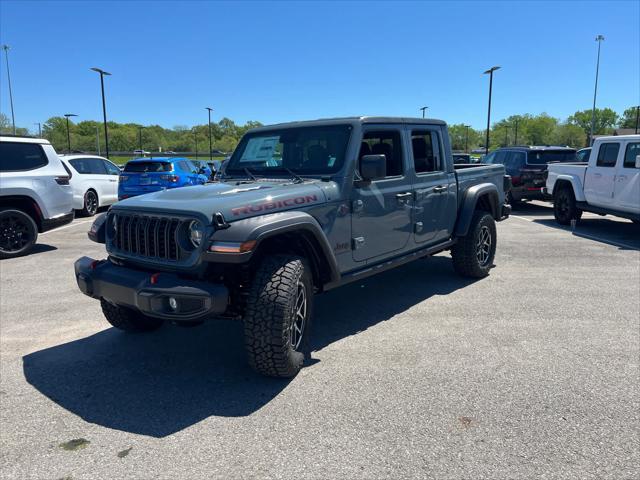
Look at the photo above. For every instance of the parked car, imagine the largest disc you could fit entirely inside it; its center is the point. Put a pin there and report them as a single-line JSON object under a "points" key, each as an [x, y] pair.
{"points": [[218, 153], [306, 207], [582, 155], [461, 158], [35, 195], [145, 175], [204, 168], [141, 152], [527, 167], [94, 181], [608, 184]]}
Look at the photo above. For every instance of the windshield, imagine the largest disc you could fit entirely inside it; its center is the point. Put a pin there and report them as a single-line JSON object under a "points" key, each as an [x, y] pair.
{"points": [[147, 167], [549, 156], [303, 150]]}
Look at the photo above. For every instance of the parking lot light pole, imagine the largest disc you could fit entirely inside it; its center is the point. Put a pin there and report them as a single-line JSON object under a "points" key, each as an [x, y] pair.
{"points": [[637, 117], [67, 115], [98, 140], [140, 137], [209, 109], [490, 72], [506, 135], [39, 129], [466, 138], [104, 108], [6, 57], [424, 109], [515, 141], [195, 138], [599, 39]]}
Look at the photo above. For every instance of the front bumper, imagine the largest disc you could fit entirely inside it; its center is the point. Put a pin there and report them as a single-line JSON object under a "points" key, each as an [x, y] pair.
{"points": [[134, 289]]}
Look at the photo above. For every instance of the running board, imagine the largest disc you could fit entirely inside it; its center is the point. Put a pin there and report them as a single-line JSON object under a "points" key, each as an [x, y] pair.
{"points": [[389, 264]]}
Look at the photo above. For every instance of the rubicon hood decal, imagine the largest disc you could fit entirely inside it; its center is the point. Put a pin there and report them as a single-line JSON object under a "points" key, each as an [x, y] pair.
{"points": [[234, 201]]}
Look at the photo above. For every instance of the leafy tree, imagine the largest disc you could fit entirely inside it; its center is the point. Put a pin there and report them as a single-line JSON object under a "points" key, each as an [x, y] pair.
{"points": [[629, 118], [605, 120], [458, 137]]}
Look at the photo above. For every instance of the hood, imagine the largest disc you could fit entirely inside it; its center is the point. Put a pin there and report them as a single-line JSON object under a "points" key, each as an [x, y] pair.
{"points": [[233, 200]]}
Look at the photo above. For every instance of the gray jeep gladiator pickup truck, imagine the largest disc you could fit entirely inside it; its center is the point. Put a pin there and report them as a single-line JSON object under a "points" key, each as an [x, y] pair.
{"points": [[302, 208]]}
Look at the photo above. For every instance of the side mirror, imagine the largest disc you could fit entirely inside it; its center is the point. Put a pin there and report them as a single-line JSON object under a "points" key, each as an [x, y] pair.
{"points": [[637, 161], [373, 167]]}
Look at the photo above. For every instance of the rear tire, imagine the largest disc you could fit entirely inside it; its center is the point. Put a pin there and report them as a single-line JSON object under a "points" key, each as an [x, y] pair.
{"points": [[564, 206], [278, 315], [18, 233], [90, 204], [127, 319], [473, 254]]}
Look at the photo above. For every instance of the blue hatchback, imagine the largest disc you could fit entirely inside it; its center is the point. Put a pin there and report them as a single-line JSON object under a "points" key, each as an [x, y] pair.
{"points": [[145, 175]]}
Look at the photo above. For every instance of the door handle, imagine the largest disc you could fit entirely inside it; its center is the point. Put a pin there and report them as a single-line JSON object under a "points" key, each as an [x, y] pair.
{"points": [[439, 189], [622, 177], [597, 175], [404, 196]]}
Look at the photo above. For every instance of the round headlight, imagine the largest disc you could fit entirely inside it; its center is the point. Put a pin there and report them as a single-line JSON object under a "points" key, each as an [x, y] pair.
{"points": [[196, 232]]}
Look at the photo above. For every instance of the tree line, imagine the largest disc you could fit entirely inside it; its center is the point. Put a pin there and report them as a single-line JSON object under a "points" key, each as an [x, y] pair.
{"points": [[524, 129]]}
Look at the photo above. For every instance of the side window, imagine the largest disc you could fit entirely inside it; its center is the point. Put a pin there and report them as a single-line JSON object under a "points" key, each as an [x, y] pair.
{"points": [[385, 143], [515, 161], [501, 157], [111, 168], [16, 156], [426, 151], [608, 154], [96, 166], [490, 158], [184, 166], [633, 150], [81, 165]]}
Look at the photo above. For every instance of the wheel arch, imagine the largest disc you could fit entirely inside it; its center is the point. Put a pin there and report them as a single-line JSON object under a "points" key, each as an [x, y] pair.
{"points": [[26, 204], [484, 197], [572, 182]]}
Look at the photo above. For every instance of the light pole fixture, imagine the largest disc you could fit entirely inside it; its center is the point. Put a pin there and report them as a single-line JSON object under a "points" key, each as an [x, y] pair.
{"points": [[67, 115], [39, 129], [490, 72], [424, 109], [599, 39], [13, 117], [104, 108], [209, 109], [466, 138]]}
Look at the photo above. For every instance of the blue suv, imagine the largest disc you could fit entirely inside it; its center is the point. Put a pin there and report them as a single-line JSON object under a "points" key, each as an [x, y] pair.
{"points": [[145, 175]]}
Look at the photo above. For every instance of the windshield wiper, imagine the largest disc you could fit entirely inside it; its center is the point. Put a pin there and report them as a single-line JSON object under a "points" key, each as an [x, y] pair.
{"points": [[249, 174], [297, 178]]}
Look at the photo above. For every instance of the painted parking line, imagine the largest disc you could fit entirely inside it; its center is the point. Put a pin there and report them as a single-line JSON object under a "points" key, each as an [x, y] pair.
{"points": [[66, 226], [586, 235]]}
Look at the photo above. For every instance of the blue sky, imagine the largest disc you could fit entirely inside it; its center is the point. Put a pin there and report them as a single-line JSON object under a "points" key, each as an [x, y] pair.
{"points": [[285, 61]]}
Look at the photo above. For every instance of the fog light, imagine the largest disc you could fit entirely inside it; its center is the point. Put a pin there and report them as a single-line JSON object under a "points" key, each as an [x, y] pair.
{"points": [[173, 303]]}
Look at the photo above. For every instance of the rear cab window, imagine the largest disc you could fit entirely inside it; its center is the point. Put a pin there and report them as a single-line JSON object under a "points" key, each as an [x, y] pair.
{"points": [[21, 157], [608, 154], [148, 167]]}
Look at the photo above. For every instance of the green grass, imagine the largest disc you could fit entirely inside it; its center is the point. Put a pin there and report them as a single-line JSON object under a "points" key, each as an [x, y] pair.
{"points": [[123, 160]]}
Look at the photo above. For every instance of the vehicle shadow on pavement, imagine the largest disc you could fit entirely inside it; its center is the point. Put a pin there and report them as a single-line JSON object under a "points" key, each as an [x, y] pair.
{"points": [[160, 383]]}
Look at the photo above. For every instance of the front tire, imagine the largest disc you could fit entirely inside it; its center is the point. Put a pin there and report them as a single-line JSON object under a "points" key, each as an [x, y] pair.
{"points": [[473, 254], [127, 319], [564, 206], [18, 233], [278, 316], [90, 204]]}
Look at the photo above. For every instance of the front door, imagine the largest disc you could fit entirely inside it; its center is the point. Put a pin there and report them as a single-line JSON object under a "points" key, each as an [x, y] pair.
{"points": [[113, 173], [434, 187], [627, 188], [599, 179], [381, 211]]}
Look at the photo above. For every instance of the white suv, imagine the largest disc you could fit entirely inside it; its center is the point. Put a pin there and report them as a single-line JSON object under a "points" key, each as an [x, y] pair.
{"points": [[94, 181], [35, 195]]}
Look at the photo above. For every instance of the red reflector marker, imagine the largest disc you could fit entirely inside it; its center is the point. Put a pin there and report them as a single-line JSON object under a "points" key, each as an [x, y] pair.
{"points": [[94, 264], [154, 278]]}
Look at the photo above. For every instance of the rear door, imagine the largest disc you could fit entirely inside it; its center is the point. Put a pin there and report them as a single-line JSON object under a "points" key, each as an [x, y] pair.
{"points": [[600, 176], [113, 172], [434, 187], [381, 211], [627, 186]]}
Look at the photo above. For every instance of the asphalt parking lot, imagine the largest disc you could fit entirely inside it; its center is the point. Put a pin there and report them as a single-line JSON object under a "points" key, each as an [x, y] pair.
{"points": [[532, 371]]}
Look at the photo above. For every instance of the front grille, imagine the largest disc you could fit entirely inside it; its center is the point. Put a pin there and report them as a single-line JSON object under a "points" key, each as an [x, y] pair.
{"points": [[146, 236]]}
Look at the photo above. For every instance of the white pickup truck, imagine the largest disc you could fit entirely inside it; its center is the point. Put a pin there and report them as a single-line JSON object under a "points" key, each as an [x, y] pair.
{"points": [[609, 183]]}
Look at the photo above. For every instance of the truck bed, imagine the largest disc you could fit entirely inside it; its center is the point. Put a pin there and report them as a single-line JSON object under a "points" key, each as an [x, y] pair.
{"points": [[555, 170], [469, 175]]}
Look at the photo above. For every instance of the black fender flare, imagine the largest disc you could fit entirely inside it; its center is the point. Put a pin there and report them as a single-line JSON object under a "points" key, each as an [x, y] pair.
{"points": [[264, 227], [470, 202]]}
